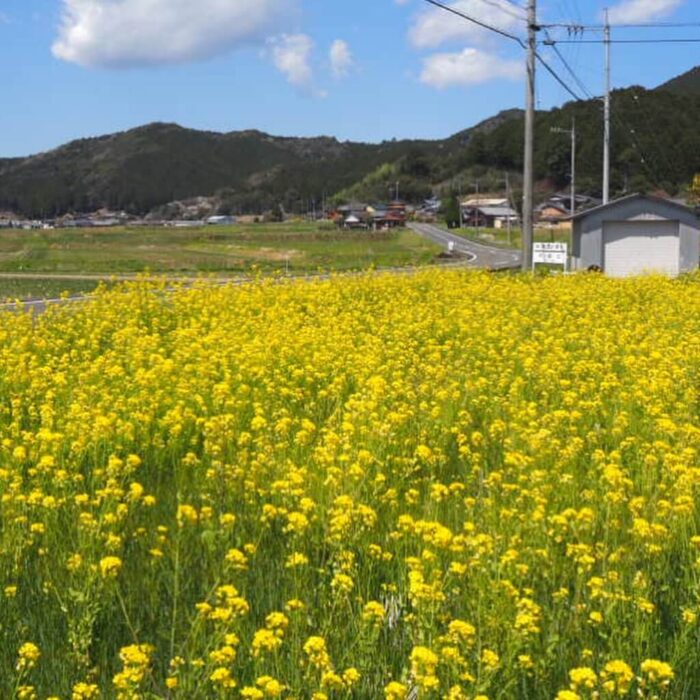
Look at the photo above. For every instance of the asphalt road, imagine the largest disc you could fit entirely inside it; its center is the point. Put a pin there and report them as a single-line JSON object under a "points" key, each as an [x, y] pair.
{"points": [[474, 255], [478, 255]]}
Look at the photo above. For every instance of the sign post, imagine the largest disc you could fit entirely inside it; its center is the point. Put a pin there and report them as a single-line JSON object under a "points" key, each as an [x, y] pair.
{"points": [[550, 254]]}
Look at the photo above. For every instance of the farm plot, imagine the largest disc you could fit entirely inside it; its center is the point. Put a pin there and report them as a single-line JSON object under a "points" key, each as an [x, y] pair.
{"points": [[221, 250], [452, 484]]}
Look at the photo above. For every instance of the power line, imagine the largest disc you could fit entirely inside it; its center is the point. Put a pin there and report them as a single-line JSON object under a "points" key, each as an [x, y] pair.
{"points": [[510, 13], [556, 76], [569, 69], [476, 21], [512, 37], [627, 41], [647, 120], [635, 143], [601, 27]]}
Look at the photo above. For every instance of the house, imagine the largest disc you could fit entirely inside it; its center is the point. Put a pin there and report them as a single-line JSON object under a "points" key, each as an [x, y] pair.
{"points": [[485, 202], [497, 216], [556, 210], [353, 221], [354, 215], [430, 207], [489, 212], [552, 213], [393, 216], [637, 234]]}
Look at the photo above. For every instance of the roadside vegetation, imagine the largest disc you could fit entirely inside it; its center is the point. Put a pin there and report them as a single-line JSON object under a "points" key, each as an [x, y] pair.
{"points": [[451, 485], [22, 288], [220, 250]]}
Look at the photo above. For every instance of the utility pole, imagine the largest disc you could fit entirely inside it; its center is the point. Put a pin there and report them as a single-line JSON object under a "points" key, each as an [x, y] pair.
{"points": [[510, 225], [606, 146], [572, 133], [573, 167], [461, 211], [528, 160]]}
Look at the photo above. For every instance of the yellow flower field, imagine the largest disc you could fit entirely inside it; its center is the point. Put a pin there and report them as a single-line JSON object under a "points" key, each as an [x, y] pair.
{"points": [[444, 485]]}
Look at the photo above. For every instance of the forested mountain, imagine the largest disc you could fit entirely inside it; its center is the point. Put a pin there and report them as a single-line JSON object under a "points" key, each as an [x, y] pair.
{"points": [[686, 84], [149, 166], [656, 145]]}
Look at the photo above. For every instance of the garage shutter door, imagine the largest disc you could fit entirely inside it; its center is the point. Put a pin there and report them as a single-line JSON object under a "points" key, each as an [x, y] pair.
{"points": [[636, 247]]}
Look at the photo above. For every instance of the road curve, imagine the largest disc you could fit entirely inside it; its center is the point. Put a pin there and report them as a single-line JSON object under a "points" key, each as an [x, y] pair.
{"points": [[479, 255], [475, 255]]}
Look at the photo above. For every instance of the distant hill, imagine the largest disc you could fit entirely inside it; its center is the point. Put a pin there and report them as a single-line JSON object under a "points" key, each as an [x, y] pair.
{"points": [[149, 166], [656, 146], [686, 84]]}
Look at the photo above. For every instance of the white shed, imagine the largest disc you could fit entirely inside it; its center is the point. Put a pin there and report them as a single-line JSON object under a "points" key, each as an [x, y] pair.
{"points": [[635, 235]]}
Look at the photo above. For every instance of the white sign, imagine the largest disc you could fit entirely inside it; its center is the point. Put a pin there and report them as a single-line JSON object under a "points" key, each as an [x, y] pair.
{"points": [[551, 247], [550, 253]]}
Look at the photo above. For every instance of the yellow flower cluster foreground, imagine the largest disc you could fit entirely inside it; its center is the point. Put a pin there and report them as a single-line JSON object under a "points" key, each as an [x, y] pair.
{"points": [[444, 486]]}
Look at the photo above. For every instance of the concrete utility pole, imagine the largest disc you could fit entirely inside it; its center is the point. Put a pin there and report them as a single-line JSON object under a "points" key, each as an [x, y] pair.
{"points": [[606, 139], [461, 211], [572, 133], [528, 160], [510, 204]]}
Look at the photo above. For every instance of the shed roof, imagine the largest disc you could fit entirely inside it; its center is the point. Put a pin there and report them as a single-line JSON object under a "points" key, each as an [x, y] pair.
{"points": [[497, 211], [629, 198]]}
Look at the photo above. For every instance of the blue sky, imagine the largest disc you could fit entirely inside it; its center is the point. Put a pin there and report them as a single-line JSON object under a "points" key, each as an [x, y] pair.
{"points": [[356, 69]]}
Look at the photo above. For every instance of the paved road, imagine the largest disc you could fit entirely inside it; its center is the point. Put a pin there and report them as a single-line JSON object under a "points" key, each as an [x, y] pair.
{"points": [[39, 306], [476, 255], [479, 255]]}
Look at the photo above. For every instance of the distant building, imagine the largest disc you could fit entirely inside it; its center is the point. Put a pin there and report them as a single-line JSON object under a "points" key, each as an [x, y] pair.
{"points": [[352, 221], [485, 202], [637, 234], [377, 216], [430, 207], [393, 217], [221, 220], [186, 224], [556, 210], [492, 216]]}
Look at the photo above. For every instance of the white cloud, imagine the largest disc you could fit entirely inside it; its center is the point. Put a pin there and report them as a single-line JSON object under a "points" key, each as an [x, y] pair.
{"points": [[291, 54], [341, 58], [128, 33], [468, 67], [642, 10], [434, 27]]}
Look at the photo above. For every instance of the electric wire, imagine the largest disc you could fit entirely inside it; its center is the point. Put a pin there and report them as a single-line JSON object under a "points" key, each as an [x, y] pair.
{"points": [[558, 78], [493, 3], [628, 41], [512, 37], [601, 27], [476, 21], [569, 69], [620, 122]]}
